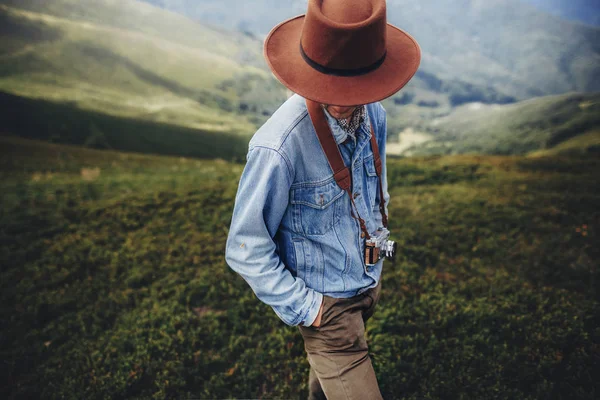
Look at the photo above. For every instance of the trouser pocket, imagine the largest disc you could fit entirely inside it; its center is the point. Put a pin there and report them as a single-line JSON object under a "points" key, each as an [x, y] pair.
{"points": [[340, 324], [373, 294], [327, 304]]}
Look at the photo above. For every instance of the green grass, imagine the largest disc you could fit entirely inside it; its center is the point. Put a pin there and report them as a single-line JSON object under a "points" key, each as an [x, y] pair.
{"points": [[129, 59], [66, 123], [114, 283], [518, 128], [588, 142]]}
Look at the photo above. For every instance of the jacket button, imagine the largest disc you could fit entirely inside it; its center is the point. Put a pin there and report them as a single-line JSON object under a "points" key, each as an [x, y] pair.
{"points": [[362, 234], [356, 194]]}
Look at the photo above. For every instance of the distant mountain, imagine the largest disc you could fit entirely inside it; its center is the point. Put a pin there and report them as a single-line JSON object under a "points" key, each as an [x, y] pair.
{"points": [[563, 122], [586, 11], [506, 45], [129, 75], [131, 59]]}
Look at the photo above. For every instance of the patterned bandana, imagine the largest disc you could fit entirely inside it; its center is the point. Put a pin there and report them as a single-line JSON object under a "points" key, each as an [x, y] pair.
{"points": [[350, 127]]}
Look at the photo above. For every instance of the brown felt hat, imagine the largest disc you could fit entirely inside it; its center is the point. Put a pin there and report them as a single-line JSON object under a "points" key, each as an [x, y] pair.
{"points": [[342, 52]]}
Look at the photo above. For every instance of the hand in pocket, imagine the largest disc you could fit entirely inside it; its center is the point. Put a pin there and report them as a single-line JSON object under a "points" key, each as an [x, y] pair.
{"points": [[317, 321]]}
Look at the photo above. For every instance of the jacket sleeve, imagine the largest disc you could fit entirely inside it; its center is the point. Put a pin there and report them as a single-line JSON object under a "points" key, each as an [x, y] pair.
{"points": [[261, 200]]}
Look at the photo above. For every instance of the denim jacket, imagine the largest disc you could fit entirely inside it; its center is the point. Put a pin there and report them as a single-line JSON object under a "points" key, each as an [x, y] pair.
{"points": [[292, 237]]}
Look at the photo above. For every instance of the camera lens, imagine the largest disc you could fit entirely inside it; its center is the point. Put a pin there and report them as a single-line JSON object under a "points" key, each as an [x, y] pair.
{"points": [[390, 249]]}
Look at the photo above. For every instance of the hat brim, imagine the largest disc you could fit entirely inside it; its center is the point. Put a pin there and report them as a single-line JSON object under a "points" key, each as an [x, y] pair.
{"points": [[282, 52]]}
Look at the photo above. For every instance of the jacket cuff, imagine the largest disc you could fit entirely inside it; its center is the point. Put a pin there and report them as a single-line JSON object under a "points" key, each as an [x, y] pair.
{"points": [[313, 311]]}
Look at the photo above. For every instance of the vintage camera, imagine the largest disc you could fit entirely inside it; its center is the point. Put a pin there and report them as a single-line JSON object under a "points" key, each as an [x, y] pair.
{"points": [[379, 246]]}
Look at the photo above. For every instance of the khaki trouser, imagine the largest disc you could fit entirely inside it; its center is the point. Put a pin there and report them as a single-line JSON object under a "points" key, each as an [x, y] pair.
{"points": [[340, 366]]}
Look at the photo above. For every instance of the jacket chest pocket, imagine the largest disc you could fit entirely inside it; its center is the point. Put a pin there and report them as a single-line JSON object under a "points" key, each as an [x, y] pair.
{"points": [[372, 183], [316, 207]]}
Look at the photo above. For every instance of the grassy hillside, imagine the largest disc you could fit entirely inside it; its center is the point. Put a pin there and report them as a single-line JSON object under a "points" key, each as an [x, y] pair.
{"points": [[589, 142], [132, 60], [491, 52], [114, 284], [137, 62], [519, 128], [505, 45], [66, 123], [127, 75]]}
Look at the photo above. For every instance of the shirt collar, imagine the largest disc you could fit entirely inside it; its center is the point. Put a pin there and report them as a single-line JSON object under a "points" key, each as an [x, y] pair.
{"points": [[340, 134]]}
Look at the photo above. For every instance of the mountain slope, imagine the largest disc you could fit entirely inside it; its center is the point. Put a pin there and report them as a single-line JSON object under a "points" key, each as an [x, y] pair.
{"points": [[588, 142], [519, 128], [133, 60], [507, 44], [68, 124]]}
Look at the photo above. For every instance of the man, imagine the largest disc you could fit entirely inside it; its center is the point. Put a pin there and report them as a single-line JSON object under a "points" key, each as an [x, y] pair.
{"points": [[297, 237]]}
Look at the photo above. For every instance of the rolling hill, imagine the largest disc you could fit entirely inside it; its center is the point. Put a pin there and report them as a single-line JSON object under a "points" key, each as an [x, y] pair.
{"points": [[66, 123], [131, 76], [505, 45], [130, 59], [519, 128]]}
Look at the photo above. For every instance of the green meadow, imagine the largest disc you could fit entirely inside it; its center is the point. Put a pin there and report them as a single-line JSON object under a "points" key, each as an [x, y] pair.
{"points": [[135, 61], [66, 123], [123, 134], [540, 123], [114, 283]]}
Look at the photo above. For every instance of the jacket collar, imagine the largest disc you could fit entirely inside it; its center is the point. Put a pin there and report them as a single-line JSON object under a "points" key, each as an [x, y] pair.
{"points": [[341, 135]]}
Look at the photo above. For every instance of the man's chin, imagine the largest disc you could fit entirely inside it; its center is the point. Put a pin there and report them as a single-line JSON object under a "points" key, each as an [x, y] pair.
{"points": [[340, 111]]}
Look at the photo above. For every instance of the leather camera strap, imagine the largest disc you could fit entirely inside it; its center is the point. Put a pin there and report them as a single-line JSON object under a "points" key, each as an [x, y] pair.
{"points": [[377, 161], [341, 173]]}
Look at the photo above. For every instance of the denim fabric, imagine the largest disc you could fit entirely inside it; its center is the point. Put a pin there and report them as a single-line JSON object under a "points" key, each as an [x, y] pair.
{"points": [[292, 237]]}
